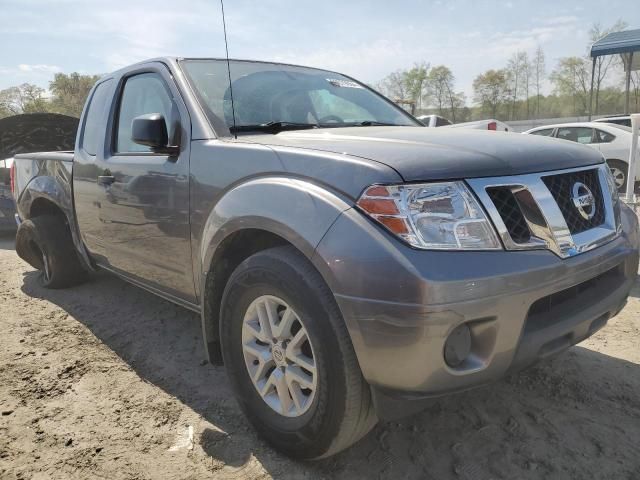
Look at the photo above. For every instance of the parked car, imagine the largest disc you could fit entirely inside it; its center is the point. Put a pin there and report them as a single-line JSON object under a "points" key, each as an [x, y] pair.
{"points": [[347, 263], [491, 124], [433, 121], [7, 205], [624, 120], [613, 141]]}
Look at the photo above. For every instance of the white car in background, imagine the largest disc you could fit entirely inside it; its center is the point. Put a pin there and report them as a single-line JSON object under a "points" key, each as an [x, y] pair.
{"points": [[624, 120], [613, 141]]}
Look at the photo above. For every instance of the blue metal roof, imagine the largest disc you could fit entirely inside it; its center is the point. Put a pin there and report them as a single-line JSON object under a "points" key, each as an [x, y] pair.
{"points": [[617, 42]]}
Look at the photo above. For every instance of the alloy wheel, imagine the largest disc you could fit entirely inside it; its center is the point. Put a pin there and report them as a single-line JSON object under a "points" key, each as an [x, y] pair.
{"points": [[279, 356]]}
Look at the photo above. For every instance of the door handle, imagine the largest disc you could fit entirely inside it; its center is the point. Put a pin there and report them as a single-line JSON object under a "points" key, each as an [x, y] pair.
{"points": [[106, 180]]}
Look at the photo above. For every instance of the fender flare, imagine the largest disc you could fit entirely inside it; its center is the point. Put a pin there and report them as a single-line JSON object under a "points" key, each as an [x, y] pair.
{"points": [[59, 193], [298, 211]]}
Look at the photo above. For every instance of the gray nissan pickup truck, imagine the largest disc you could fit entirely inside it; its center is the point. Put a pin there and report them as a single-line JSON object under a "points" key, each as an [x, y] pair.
{"points": [[347, 263]]}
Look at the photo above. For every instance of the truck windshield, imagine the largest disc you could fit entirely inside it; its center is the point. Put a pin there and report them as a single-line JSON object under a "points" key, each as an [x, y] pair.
{"points": [[271, 97]]}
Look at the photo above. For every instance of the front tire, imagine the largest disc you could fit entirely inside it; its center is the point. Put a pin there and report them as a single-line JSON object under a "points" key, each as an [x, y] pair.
{"points": [[619, 171], [289, 357]]}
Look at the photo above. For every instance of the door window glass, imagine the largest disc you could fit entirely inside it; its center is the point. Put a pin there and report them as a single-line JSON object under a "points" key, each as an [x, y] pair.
{"points": [[142, 94], [576, 134], [545, 132], [604, 137]]}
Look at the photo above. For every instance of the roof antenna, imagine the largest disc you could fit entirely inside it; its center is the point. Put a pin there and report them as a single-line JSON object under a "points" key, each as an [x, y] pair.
{"points": [[226, 46]]}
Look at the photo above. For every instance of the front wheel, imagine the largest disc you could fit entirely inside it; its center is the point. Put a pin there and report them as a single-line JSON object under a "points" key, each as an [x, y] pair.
{"points": [[289, 357], [619, 171]]}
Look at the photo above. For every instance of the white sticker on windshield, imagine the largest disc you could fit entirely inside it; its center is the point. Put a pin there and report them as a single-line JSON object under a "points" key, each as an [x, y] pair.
{"points": [[343, 83]]}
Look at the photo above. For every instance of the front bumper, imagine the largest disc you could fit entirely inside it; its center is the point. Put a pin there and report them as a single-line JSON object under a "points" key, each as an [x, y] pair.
{"points": [[400, 304]]}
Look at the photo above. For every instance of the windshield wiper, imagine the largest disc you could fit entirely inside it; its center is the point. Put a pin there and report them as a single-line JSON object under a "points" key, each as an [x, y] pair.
{"points": [[373, 123], [272, 127]]}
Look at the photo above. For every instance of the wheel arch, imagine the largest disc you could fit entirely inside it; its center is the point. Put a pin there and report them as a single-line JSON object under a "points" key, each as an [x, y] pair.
{"points": [[252, 217]]}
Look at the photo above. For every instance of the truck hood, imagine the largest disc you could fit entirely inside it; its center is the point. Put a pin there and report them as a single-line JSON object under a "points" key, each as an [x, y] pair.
{"points": [[419, 153]]}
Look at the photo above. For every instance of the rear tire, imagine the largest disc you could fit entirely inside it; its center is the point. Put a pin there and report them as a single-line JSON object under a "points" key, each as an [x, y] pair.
{"points": [[45, 243], [340, 411]]}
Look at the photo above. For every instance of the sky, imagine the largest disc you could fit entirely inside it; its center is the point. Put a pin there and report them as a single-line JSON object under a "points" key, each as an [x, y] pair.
{"points": [[363, 39]]}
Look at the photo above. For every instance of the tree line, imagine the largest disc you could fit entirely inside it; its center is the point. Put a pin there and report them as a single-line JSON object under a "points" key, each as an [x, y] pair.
{"points": [[66, 95], [515, 91], [510, 93]]}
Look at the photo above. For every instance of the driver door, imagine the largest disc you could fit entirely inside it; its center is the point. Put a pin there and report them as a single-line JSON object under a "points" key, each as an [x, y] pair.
{"points": [[145, 195]]}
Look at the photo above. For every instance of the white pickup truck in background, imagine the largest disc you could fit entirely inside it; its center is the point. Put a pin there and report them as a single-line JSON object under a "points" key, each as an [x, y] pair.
{"points": [[438, 121]]}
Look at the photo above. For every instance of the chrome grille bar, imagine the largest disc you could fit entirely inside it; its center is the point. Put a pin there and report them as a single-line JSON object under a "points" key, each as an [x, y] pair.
{"points": [[542, 214]]}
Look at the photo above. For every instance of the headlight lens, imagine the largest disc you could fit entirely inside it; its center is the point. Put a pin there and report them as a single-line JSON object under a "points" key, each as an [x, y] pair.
{"points": [[442, 216]]}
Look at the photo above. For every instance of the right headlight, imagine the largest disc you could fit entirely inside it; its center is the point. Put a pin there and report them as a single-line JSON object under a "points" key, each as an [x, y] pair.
{"points": [[439, 216]]}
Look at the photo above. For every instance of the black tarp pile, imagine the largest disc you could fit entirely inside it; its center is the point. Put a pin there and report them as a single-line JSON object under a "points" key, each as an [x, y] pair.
{"points": [[36, 132]]}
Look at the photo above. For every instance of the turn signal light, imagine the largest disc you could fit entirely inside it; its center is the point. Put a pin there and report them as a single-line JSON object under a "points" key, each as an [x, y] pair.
{"points": [[379, 204]]}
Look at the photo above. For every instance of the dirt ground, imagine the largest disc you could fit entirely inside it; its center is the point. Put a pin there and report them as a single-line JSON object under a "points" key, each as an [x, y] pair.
{"points": [[107, 381]]}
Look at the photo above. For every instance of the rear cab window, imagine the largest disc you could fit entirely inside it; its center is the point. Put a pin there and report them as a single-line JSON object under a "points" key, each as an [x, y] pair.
{"points": [[95, 118]]}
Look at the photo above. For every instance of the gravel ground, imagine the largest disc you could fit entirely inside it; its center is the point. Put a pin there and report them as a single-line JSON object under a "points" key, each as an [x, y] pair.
{"points": [[107, 381]]}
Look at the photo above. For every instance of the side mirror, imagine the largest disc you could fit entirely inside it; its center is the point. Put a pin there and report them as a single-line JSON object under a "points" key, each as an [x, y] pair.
{"points": [[151, 130]]}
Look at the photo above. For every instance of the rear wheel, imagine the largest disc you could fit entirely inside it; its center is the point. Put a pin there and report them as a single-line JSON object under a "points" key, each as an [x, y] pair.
{"points": [[619, 171], [289, 357], [45, 243]]}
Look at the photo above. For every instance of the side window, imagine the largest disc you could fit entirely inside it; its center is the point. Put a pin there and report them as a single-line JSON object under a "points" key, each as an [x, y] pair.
{"points": [[441, 122], [142, 94], [576, 134], [604, 137], [93, 130], [545, 132]]}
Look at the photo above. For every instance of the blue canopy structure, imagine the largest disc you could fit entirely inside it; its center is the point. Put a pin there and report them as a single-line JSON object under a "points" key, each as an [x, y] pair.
{"points": [[625, 44]]}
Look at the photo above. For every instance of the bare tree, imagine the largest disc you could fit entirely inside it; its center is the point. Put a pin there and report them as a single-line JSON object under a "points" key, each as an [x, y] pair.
{"points": [[516, 73], [393, 85], [596, 32], [539, 73]]}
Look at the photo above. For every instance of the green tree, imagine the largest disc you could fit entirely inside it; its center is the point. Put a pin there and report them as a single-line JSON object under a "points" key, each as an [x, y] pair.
{"points": [[491, 90], [69, 92], [25, 98], [415, 81], [441, 85], [572, 78]]}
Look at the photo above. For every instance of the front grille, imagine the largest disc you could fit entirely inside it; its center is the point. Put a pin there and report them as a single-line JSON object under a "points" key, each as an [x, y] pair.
{"points": [[561, 187], [509, 210]]}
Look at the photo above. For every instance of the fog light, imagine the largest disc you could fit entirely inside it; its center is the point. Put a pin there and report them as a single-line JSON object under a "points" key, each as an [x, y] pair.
{"points": [[457, 346]]}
